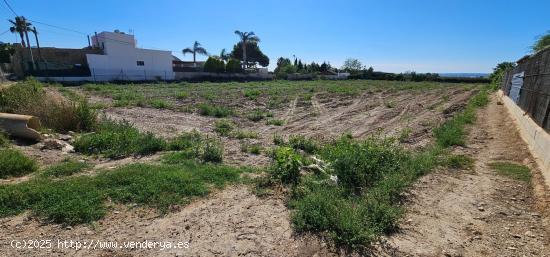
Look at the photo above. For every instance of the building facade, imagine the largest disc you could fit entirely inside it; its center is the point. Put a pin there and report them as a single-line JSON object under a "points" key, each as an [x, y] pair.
{"points": [[122, 60]]}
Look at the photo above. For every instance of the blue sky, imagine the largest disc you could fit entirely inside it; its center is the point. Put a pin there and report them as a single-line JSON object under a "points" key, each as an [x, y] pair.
{"points": [[395, 36]]}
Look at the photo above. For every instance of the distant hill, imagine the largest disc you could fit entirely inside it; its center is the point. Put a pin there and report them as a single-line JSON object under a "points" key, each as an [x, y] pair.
{"points": [[464, 75]]}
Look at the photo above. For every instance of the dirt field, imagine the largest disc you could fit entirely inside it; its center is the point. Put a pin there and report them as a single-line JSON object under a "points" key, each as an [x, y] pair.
{"points": [[449, 212]]}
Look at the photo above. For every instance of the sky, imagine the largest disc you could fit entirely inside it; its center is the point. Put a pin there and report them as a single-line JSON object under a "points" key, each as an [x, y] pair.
{"points": [[393, 36]]}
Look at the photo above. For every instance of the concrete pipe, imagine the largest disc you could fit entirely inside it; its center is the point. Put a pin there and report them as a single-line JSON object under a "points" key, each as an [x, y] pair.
{"points": [[23, 126]]}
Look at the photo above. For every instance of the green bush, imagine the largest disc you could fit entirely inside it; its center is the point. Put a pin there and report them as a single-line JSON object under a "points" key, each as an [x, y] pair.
{"points": [[214, 65], [251, 148], [13, 163], [252, 94], [300, 142], [117, 140], [286, 165], [4, 141], [233, 66], [66, 168], [360, 164], [223, 127], [214, 111], [213, 152], [278, 140]]}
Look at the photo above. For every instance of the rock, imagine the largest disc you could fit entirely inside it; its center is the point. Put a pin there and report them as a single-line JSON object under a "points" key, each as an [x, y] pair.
{"points": [[334, 179], [511, 248], [516, 236], [480, 208], [65, 137], [67, 149], [529, 234], [53, 144]]}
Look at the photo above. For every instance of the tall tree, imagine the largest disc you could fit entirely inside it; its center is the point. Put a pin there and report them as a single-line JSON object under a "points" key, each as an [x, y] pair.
{"points": [[253, 54], [246, 37], [20, 26], [224, 55], [196, 49], [542, 42]]}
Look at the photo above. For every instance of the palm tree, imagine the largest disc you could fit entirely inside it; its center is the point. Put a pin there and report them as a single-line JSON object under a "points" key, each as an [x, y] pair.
{"points": [[224, 55], [246, 37], [196, 49], [20, 26]]}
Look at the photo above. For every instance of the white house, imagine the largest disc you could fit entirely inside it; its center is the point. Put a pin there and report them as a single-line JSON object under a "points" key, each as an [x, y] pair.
{"points": [[122, 60]]}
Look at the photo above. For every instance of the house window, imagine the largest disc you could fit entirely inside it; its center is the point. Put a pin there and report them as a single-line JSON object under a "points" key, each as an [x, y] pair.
{"points": [[140, 63]]}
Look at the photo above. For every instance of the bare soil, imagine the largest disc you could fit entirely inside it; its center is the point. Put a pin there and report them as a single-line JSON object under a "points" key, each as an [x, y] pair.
{"points": [[477, 212], [449, 212]]}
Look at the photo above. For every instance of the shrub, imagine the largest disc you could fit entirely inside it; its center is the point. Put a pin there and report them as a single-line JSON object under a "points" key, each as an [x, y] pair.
{"points": [[214, 111], [278, 140], [117, 140], [286, 165], [214, 65], [300, 142], [13, 164], [223, 127], [182, 95], [256, 115], [66, 168], [233, 66], [459, 162], [4, 141], [213, 152]]}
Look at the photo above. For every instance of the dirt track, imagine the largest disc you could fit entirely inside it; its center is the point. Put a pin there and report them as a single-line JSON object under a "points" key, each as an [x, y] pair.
{"points": [[477, 213]]}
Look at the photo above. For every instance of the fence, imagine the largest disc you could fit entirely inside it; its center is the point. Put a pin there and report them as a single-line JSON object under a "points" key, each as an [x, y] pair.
{"points": [[528, 85]]}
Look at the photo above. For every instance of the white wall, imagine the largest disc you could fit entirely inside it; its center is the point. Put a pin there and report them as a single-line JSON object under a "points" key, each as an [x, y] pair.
{"points": [[120, 60]]}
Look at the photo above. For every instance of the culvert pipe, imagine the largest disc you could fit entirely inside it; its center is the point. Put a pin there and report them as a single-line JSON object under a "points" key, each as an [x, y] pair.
{"points": [[23, 126]]}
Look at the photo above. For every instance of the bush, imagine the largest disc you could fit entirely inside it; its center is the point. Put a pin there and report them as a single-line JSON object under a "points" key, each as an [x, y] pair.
{"points": [[223, 127], [251, 148], [4, 141], [13, 164], [29, 98], [214, 111], [243, 134], [278, 140], [286, 165], [214, 65], [66, 168], [252, 94], [459, 162], [300, 142], [213, 152], [233, 66], [117, 140]]}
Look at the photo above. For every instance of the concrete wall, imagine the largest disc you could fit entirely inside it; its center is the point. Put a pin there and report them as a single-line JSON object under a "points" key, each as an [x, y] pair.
{"points": [[537, 139]]}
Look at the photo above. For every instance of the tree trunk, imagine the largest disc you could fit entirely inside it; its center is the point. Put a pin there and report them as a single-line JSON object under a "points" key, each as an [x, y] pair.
{"points": [[194, 60], [37, 44], [22, 40], [245, 64], [29, 47]]}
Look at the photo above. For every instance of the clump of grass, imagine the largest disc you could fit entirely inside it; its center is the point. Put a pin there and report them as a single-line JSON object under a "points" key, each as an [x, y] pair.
{"points": [[278, 140], [286, 165], [82, 199], [4, 141], [389, 104], [276, 122], [300, 142], [459, 161], [182, 95], [159, 104], [251, 148], [29, 97], [252, 94], [66, 168], [14, 164], [128, 98], [214, 111], [404, 135], [453, 132], [117, 140], [223, 127], [243, 134], [257, 115], [193, 145], [513, 170]]}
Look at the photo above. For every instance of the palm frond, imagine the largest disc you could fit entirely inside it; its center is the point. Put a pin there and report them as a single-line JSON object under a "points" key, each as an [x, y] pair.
{"points": [[254, 39], [201, 50], [187, 51]]}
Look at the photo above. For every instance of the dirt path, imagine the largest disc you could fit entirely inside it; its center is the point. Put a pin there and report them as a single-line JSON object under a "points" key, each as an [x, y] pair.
{"points": [[477, 213]]}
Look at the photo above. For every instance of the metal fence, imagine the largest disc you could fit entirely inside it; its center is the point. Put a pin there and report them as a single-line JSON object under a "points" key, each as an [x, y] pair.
{"points": [[528, 84]]}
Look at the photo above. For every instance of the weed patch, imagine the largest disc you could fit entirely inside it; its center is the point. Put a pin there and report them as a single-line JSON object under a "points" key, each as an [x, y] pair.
{"points": [[14, 164], [223, 127], [513, 170], [214, 111], [66, 168]]}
